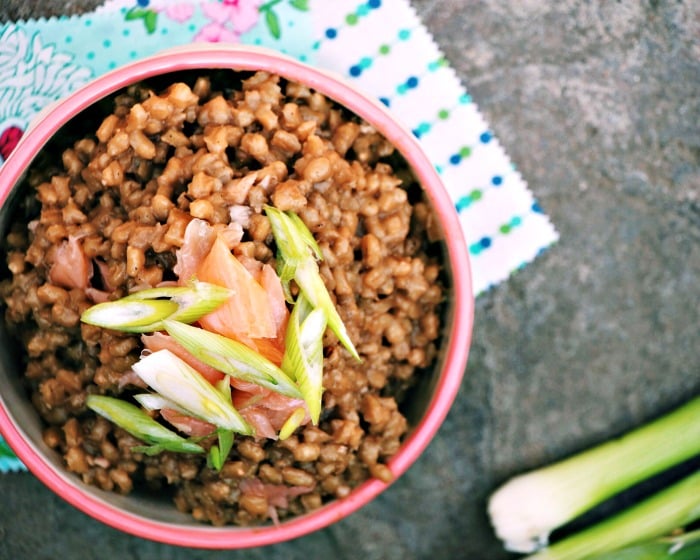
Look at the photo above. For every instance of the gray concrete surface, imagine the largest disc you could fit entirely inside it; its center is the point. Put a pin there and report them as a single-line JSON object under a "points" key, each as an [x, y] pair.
{"points": [[598, 104]]}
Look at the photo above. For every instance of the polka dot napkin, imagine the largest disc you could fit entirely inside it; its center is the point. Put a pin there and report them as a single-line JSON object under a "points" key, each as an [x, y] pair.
{"points": [[379, 45]]}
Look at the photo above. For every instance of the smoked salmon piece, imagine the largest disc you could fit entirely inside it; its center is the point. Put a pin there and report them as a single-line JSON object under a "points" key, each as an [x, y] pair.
{"points": [[193, 427], [277, 495], [256, 314], [247, 313], [71, 268]]}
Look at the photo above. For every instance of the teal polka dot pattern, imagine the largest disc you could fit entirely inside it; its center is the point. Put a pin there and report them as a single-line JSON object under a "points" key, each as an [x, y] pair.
{"points": [[422, 128], [514, 222], [481, 245], [442, 114], [106, 39], [385, 49], [353, 17], [503, 230], [467, 200]]}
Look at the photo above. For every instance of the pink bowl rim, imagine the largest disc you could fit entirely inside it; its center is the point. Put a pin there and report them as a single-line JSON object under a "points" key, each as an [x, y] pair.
{"points": [[455, 359]]}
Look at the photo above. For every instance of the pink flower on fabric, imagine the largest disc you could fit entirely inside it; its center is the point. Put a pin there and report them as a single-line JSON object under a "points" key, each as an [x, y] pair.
{"points": [[245, 14], [216, 12], [179, 12], [216, 33], [241, 15]]}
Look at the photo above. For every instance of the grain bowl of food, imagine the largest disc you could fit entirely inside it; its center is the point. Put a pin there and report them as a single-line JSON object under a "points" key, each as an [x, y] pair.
{"points": [[236, 298]]}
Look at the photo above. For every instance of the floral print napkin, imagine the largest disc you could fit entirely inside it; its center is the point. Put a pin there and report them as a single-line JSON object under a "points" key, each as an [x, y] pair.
{"points": [[379, 45]]}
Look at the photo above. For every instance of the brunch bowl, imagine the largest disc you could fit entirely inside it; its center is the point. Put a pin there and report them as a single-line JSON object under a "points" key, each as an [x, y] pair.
{"points": [[240, 170]]}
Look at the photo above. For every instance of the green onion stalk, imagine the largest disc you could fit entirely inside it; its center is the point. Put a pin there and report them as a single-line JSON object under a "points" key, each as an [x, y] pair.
{"points": [[685, 546], [297, 253], [231, 357], [671, 508], [134, 420], [303, 356], [145, 310], [175, 380], [525, 510]]}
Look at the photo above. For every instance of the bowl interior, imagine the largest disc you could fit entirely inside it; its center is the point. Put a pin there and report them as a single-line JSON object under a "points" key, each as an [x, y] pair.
{"points": [[425, 407]]}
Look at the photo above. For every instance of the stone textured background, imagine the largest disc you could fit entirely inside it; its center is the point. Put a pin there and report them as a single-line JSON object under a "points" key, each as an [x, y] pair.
{"points": [[598, 104]]}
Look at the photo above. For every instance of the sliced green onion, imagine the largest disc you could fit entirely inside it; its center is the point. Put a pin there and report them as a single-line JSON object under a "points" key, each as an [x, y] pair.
{"points": [[224, 386], [129, 316], [681, 547], [177, 381], [309, 280], [148, 449], [527, 508], [194, 300], [294, 244], [299, 227], [144, 310], [154, 401], [294, 240], [225, 442], [219, 453], [292, 423], [669, 509], [285, 271], [140, 425], [298, 252], [303, 354], [232, 357]]}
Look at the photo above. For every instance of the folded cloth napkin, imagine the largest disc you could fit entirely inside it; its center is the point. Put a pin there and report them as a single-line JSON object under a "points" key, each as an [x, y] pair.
{"points": [[379, 45]]}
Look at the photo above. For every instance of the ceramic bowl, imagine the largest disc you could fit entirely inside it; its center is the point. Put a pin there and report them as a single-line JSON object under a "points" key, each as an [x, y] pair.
{"points": [[158, 520]]}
